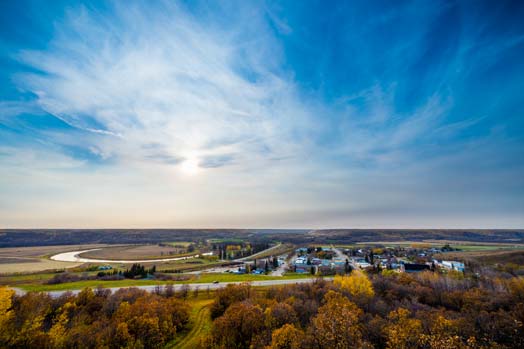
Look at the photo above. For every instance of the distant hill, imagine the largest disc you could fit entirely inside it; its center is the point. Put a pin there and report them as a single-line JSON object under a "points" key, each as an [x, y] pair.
{"points": [[46, 237]]}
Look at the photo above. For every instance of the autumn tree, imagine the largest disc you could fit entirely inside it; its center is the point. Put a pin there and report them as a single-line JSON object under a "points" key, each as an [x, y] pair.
{"points": [[58, 331], [228, 295], [357, 284], [151, 319], [279, 315], [336, 324], [238, 326], [6, 314], [402, 332], [444, 334], [287, 337]]}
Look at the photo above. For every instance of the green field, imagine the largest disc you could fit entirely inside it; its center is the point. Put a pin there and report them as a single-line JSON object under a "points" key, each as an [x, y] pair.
{"points": [[31, 285]]}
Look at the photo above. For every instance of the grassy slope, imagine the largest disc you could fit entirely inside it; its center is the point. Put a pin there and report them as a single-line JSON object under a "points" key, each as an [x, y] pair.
{"points": [[200, 325], [204, 278]]}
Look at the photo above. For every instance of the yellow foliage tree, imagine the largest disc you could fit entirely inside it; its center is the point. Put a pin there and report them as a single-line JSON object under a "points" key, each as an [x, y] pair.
{"points": [[357, 284], [6, 295], [286, 337], [403, 332], [444, 334], [57, 333], [516, 287], [336, 325]]}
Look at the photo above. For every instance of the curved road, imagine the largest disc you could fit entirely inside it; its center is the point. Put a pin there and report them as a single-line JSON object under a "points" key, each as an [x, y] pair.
{"points": [[201, 286]]}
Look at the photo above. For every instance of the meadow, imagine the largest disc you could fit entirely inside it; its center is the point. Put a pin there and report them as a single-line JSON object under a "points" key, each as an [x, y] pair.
{"points": [[37, 282]]}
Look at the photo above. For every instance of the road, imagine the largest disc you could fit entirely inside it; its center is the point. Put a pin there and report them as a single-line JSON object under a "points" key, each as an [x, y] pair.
{"points": [[339, 253], [201, 286], [342, 256], [253, 256]]}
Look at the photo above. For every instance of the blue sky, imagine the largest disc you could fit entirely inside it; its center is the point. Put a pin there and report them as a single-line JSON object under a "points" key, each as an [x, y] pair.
{"points": [[300, 114]]}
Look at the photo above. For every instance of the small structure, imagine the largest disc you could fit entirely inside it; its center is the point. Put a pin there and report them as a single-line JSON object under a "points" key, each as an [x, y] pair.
{"points": [[413, 267], [300, 261], [361, 263], [453, 265]]}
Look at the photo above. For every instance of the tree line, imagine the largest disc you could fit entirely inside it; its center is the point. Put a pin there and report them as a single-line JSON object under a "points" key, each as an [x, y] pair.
{"points": [[128, 318], [386, 310]]}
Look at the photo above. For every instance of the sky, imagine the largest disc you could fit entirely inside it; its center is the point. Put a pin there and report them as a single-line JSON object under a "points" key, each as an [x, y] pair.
{"points": [[253, 114]]}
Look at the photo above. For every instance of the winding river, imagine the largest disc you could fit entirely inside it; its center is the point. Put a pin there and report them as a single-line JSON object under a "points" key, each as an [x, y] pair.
{"points": [[74, 257]]}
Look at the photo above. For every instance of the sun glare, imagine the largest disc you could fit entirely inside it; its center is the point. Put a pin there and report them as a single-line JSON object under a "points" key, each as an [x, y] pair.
{"points": [[190, 166]]}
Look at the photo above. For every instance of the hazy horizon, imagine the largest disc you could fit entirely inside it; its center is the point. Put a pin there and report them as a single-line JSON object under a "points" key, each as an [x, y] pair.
{"points": [[272, 114]]}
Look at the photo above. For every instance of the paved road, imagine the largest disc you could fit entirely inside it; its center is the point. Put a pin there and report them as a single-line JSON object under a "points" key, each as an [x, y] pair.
{"points": [[201, 286], [343, 256], [339, 253], [253, 256]]}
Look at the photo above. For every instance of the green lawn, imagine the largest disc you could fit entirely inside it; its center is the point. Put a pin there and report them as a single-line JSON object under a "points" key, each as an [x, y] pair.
{"points": [[204, 278]]}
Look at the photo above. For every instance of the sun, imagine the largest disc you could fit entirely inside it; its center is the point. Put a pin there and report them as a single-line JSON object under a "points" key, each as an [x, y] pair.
{"points": [[190, 166]]}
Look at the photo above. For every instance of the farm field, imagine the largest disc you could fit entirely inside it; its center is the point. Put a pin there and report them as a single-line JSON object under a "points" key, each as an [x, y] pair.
{"points": [[462, 245], [44, 251], [35, 259], [488, 257], [137, 252]]}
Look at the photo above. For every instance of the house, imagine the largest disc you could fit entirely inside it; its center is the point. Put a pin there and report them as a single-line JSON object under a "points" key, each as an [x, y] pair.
{"points": [[453, 265], [361, 263], [338, 261], [300, 261], [316, 261], [413, 267]]}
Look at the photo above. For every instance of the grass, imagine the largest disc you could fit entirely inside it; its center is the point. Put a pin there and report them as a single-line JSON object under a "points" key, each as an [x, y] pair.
{"points": [[226, 240], [31, 285], [24, 278], [199, 324], [487, 247], [179, 243]]}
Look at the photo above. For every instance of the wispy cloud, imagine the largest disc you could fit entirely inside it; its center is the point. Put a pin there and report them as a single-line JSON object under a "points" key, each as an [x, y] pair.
{"points": [[170, 80], [173, 115]]}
